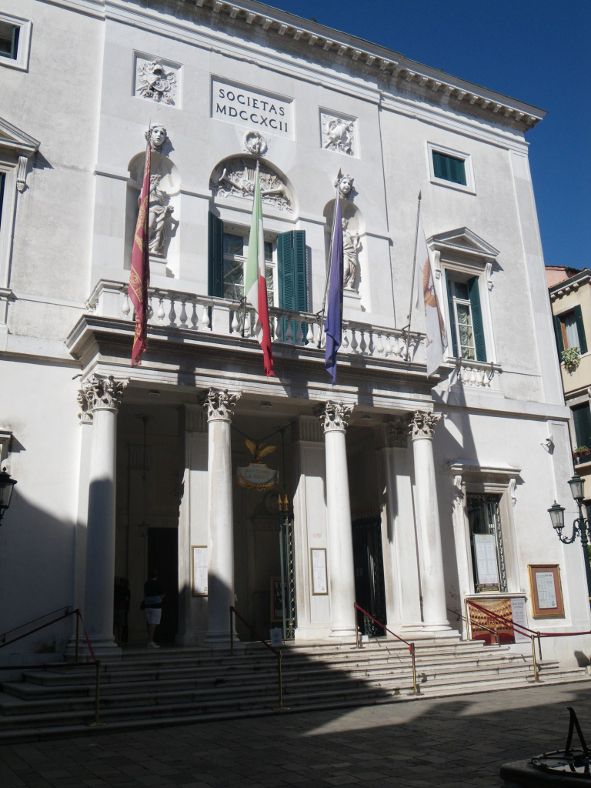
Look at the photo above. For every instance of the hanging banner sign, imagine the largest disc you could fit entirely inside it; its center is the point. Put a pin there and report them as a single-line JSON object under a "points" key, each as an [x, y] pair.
{"points": [[256, 476], [249, 107]]}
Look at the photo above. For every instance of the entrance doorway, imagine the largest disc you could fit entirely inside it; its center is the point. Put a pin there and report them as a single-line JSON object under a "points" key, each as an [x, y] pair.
{"points": [[163, 557], [369, 574]]}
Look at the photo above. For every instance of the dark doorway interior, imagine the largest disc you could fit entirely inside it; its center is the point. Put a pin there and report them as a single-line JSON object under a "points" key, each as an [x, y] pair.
{"points": [[163, 556], [369, 574]]}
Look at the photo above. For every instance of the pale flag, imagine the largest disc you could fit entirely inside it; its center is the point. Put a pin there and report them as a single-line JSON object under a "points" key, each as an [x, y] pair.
{"points": [[255, 285], [434, 324]]}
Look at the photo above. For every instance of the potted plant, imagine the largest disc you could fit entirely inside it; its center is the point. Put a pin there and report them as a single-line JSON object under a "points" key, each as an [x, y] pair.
{"points": [[571, 358], [581, 453]]}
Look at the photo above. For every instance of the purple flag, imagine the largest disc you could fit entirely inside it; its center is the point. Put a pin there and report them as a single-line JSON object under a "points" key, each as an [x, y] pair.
{"points": [[333, 325]]}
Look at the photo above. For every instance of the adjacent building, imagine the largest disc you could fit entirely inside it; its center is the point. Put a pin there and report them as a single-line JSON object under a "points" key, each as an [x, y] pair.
{"points": [[288, 497]]}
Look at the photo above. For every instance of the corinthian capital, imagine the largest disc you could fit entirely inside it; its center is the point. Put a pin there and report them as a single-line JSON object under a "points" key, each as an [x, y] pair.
{"points": [[220, 404], [335, 416], [102, 393], [422, 424]]}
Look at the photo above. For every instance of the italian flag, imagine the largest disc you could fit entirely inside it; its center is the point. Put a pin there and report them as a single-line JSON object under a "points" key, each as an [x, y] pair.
{"points": [[255, 285]]}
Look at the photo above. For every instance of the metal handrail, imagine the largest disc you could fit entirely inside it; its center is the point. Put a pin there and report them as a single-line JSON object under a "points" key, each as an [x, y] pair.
{"points": [[278, 653], [467, 620], [410, 644], [65, 614], [521, 629]]}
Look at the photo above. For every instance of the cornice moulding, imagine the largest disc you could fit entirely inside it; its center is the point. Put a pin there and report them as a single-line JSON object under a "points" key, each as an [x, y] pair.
{"points": [[364, 54]]}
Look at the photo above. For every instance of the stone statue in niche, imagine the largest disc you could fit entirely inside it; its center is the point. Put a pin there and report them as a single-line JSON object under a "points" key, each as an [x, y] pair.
{"points": [[351, 249], [155, 82], [337, 134], [255, 143], [156, 136], [159, 216], [236, 179], [344, 184]]}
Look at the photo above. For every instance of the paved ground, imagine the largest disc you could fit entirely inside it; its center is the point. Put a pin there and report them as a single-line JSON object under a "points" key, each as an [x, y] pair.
{"points": [[446, 743]]}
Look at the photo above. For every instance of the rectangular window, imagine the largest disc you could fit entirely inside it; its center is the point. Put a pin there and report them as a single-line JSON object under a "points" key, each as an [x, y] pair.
{"points": [[582, 422], [486, 541], [235, 256], [570, 331], [465, 317], [9, 36], [449, 168]]}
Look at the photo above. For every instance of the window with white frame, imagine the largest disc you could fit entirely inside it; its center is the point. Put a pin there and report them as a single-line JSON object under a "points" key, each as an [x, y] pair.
{"points": [[448, 167], [235, 256], [465, 313], [15, 41]]}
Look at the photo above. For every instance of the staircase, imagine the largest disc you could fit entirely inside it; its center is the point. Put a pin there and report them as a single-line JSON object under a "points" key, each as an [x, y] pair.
{"points": [[178, 685]]}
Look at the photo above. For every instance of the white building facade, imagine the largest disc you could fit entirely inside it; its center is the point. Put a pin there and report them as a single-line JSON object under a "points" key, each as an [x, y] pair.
{"points": [[405, 493]]}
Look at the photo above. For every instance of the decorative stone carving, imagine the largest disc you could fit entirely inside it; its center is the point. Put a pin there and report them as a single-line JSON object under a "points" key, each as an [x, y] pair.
{"points": [[512, 486], [159, 217], [344, 184], [335, 416], [548, 444], [85, 414], [255, 143], [351, 249], [102, 393], [422, 424], [397, 433], [338, 133], [236, 178], [156, 136], [220, 404], [21, 173], [155, 82], [458, 482]]}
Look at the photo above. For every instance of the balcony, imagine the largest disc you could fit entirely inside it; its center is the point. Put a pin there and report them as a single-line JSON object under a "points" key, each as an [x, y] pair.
{"points": [[210, 320]]}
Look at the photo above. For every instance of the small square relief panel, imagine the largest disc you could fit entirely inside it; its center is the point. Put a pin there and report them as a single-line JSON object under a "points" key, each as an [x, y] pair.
{"points": [[338, 132], [157, 79]]}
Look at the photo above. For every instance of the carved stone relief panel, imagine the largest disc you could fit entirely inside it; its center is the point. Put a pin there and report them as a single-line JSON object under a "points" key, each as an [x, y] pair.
{"points": [[338, 133], [235, 178], [156, 80]]}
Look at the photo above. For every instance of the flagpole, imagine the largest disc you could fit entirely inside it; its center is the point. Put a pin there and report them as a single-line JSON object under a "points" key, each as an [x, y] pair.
{"points": [[323, 310], [412, 281], [256, 175]]}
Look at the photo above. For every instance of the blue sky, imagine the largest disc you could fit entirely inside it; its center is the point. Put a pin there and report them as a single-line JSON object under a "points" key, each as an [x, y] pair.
{"points": [[533, 50]]}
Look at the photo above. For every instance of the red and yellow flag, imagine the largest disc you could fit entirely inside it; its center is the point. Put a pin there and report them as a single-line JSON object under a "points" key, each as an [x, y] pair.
{"points": [[139, 276]]}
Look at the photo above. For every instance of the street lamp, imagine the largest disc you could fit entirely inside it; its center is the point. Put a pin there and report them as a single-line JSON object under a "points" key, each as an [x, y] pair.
{"points": [[581, 525], [6, 488]]}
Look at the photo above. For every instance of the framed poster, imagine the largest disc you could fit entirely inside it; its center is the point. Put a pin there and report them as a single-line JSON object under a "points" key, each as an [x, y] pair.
{"points": [[199, 570], [319, 574], [546, 591], [489, 628]]}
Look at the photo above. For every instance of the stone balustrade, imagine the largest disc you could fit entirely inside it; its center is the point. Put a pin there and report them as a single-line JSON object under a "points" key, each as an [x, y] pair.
{"points": [[223, 317]]}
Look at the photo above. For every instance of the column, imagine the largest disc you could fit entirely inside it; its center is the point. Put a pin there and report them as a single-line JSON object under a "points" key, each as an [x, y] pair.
{"points": [[422, 427], [341, 571], [103, 396], [220, 407], [403, 590]]}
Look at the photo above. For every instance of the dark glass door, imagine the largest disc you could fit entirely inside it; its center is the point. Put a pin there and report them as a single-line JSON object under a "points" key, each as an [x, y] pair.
{"points": [[163, 557]]}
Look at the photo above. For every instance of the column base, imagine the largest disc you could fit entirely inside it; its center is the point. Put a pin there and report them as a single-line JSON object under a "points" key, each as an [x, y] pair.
{"points": [[219, 640], [343, 633], [429, 630], [105, 647]]}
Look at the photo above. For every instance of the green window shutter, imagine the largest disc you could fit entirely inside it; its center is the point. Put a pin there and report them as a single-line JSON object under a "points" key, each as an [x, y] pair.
{"points": [[582, 420], [449, 168], [293, 280], [452, 317], [558, 333], [216, 257], [580, 330], [477, 319]]}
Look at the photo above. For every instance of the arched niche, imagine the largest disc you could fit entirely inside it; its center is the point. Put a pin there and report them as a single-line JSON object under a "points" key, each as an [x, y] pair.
{"points": [[234, 178], [164, 210], [353, 232]]}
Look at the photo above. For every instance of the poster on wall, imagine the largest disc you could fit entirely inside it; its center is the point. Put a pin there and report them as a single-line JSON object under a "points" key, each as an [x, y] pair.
{"points": [[490, 629], [546, 591], [485, 547], [319, 574]]}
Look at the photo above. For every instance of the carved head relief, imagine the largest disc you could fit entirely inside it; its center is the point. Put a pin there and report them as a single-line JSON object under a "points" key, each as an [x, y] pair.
{"points": [[255, 143], [344, 184], [156, 136]]}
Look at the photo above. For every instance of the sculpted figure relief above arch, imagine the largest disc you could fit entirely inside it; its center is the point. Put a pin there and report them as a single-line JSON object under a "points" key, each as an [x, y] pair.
{"points": [[235, 177]]}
